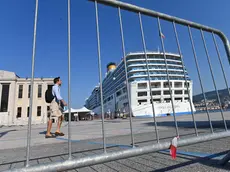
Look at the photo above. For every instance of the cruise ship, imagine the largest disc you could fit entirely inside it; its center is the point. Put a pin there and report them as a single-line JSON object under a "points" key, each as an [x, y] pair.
{"points": [[115, 93]]}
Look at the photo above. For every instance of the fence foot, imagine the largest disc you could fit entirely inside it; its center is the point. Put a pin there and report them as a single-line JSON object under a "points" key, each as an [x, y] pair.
{"points": [[134, 146], [225, 160]]}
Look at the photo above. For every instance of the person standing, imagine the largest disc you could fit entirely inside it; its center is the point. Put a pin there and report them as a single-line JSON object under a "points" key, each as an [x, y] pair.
{"points": [[56, 108]]}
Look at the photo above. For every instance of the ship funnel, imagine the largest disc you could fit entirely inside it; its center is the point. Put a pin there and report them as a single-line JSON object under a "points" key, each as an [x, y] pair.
{"points": [[111, 66]]}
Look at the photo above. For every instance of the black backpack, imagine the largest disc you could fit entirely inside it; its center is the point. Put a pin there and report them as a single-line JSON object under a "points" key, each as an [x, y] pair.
{"points": [[49, 96]]}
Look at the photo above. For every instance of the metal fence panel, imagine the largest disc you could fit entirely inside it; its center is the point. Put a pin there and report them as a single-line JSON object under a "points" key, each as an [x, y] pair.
{"points": [[134, 151]]}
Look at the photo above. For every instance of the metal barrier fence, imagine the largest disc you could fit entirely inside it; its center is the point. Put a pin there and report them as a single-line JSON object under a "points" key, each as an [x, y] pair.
{"points": [[134, 151]]}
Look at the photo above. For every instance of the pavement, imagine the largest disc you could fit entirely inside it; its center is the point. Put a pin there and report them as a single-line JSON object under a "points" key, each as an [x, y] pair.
{"points": [[86, 138]]}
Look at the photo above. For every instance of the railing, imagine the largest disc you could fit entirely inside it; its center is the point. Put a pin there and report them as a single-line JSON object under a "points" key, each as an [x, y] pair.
{"points": [[134, 151]]}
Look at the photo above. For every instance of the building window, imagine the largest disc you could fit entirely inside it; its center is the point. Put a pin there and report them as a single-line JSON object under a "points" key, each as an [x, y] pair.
{"points": [[39, 111], [142, 101], [4, 98], [19, 112], [39, 91], [48, 111], [28, 111], [178, 91], [140, 94], [29, 89], [20, 91], [142, 85]]}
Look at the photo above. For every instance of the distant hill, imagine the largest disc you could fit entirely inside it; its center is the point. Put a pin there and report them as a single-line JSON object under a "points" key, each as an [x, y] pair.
{"points": [[224, 95]]}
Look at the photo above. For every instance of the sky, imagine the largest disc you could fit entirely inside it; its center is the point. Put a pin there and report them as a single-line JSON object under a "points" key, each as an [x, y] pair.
{"points": [[16, 37]]}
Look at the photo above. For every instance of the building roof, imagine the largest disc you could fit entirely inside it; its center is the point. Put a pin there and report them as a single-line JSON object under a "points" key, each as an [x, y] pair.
{"points": [[7, 75]]}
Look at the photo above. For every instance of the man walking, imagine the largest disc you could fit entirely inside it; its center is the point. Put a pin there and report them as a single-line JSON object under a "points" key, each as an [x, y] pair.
{"points": [[56, 108]]}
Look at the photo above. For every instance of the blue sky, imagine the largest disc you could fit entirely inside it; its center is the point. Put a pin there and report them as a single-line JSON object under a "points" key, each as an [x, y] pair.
{"points": [[16, 34]]}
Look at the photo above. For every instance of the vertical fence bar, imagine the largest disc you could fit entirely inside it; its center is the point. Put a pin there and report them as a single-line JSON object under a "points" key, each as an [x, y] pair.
{"points": [[126, 76], [32, 86], [100, 75], [198, 71], [149, 79], [213, 79], [166, 66], [221, 64], [186, 80], [69, 83]]}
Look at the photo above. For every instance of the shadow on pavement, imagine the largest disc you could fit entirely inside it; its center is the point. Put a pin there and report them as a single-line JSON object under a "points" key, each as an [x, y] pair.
{"points": [[189, 124], [204, 160], [6, 132]]}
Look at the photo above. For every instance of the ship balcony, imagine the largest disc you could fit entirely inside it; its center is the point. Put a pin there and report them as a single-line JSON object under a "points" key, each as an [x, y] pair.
{"points": [[154, 69], [154, 75], [153, 64], [152, 59]]}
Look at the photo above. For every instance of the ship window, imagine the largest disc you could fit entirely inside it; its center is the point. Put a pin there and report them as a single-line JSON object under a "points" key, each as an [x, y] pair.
{"points": [[178, 91], [187, 84], [142, 85], [178, 99], [166, 84], [140, 94], [155, 100], [178, 84], [142, 101], [118, 93], [166, 92], [186, 98], [167, 100], [156, 85], [186, 92], [125, 104], [155, 93]]}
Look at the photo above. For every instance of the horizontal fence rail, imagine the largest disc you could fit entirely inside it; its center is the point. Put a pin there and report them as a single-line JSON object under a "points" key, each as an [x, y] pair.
{"points": [[151, 13], [72, 163], [98, 159]]}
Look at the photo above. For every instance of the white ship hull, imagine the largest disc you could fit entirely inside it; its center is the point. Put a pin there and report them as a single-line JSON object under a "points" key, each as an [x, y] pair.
{"points": [[162, 109], [145, 110]]}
